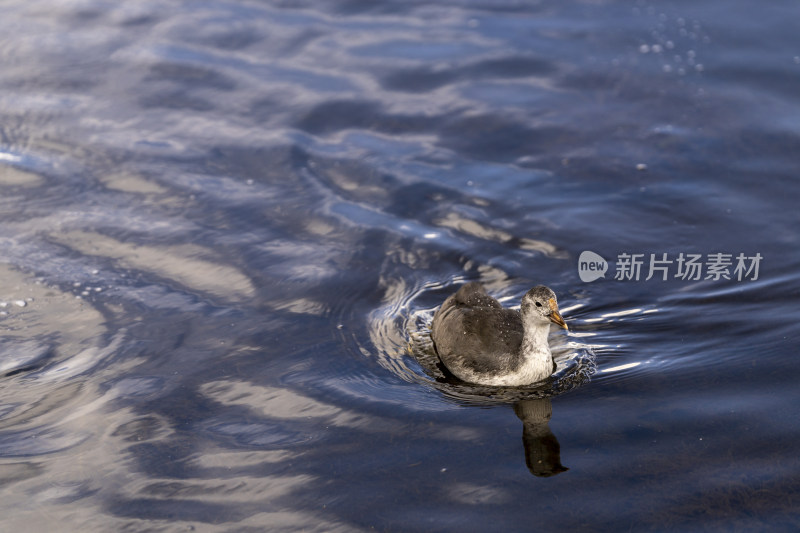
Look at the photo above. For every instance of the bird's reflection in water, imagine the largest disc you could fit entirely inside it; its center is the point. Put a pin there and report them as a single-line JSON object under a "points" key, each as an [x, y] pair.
{"points": [[542, 452]]}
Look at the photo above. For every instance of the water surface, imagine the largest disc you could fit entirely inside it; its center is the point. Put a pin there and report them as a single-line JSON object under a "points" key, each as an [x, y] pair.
{"points": [[225, 227]]}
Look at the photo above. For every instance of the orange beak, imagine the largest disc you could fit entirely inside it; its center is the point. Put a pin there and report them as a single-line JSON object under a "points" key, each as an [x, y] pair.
{"points": [[555, 316]]}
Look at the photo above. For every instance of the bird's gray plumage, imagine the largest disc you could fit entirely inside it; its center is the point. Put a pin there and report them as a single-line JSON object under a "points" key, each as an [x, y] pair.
{"points": [[481, 342]]}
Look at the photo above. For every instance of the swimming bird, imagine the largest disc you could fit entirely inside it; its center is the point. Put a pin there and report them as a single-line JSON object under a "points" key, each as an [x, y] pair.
{"points": [[481, 342]]}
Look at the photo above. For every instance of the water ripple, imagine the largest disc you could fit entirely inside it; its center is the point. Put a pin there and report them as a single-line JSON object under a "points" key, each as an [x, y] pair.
{"points": [[400, 332]]}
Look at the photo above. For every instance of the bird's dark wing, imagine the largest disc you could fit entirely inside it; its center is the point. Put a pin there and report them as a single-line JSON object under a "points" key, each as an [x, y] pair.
{"points": [[472, 330], [472, 295]]}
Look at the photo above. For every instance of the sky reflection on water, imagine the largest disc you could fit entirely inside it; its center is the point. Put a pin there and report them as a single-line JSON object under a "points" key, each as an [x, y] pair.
{"points": [[229, 223]]}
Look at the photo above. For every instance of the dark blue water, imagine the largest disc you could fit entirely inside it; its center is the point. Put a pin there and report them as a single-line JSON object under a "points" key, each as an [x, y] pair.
{"points": [[225, 226]]}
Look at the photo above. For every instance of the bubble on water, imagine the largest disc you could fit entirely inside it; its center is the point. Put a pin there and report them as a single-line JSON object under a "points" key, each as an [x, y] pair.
{"points": [[657, 49], [797, 59], [20, 303], [667, 68], [644, 49], [670, 45], [3, 304], [699, 67]]}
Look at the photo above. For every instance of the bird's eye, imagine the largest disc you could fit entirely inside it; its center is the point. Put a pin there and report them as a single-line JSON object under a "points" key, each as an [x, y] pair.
{"points": [[538, 304]]}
